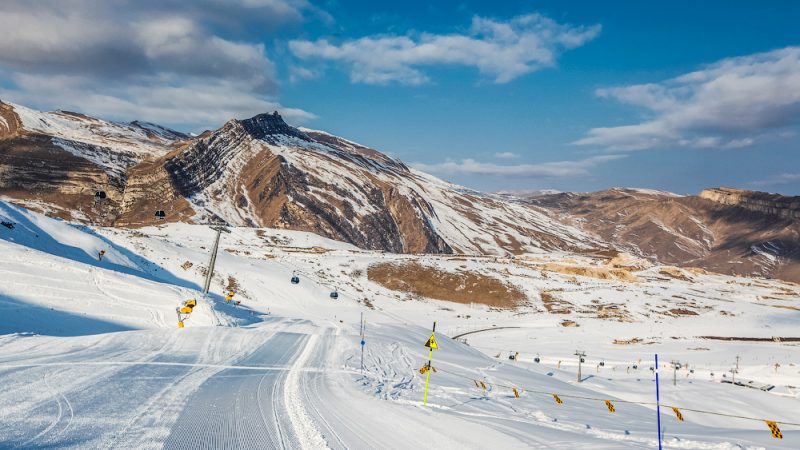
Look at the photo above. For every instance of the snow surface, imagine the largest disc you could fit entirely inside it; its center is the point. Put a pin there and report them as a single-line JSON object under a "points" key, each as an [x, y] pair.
{"points": [[113, 146], [90, 355]]}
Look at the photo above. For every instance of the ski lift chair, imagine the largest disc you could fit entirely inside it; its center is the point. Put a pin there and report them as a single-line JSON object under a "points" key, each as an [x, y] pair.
{"points": [[160, 214], [295, 278]]}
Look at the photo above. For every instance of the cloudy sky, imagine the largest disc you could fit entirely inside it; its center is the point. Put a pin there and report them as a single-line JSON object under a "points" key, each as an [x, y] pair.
{"points": [[496, 96]]}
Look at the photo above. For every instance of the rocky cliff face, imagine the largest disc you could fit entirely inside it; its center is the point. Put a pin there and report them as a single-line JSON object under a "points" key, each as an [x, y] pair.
{"points": [[773, 204]]}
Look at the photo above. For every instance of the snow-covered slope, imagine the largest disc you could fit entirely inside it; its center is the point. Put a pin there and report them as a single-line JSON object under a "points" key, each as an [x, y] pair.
{"points": [[290, 374], [140, 139]]}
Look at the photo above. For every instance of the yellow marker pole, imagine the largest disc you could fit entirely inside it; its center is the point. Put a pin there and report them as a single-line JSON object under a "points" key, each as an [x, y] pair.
{"points": [[430, 344], [427, 377]]}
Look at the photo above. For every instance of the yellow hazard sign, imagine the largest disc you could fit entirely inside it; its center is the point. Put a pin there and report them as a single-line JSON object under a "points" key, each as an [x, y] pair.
{"points": [[610, 406], [678, 414], [431, 343], [773, 427], [557, 399]]}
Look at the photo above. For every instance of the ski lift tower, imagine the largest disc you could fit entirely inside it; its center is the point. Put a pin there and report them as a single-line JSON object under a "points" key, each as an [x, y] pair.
{"points": [[213, 260]]}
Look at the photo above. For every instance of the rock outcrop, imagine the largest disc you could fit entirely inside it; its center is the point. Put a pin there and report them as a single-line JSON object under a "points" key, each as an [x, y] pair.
{"points": [[774, 204]]}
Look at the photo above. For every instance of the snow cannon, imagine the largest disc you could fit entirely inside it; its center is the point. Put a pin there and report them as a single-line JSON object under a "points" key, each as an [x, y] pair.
{"points": [[230, 295], [191, 303]]}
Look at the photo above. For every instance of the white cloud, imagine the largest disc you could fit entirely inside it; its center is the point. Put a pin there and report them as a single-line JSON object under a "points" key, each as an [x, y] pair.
{"points": [[728, 104], [501, 51], [783, 178], [187, 65], [506, 155], [549, 169], [185, 101]]}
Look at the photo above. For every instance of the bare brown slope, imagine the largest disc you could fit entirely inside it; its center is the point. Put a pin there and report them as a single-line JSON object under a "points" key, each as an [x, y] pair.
{"points": [[686, 231]]}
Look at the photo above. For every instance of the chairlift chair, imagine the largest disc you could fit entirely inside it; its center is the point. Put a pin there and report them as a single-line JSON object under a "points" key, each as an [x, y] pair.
{"points": [[295, 278], [160, 214]]}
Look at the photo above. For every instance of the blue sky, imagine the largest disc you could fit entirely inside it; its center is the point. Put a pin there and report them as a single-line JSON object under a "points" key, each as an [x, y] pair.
{"points": [[496, 96]]}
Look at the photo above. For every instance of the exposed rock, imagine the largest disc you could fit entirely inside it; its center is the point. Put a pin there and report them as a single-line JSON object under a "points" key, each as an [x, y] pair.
{"points": [[779, 205]]}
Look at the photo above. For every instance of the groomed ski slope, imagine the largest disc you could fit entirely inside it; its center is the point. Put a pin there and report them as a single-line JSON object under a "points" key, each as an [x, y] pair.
{"points": [[90, 357]]}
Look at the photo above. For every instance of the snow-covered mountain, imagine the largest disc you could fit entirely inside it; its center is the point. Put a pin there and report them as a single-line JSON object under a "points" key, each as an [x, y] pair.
{"points": [[259, 172], [723, 230], [262, 172]]}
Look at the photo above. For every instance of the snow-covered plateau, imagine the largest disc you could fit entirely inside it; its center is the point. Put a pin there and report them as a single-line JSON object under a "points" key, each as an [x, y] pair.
{"points": [[91, 355]]}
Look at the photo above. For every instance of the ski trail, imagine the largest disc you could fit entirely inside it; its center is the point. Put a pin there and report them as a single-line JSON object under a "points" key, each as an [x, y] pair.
{"points": [[239, 408], [304, 428], [63, 404]]}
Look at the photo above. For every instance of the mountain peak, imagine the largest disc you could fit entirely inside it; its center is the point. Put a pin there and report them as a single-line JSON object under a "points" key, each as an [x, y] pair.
{"points": [[270, 124]]}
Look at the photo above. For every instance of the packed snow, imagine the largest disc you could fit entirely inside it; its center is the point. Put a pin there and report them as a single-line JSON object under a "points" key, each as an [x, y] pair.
{"points": [[91, 355]]}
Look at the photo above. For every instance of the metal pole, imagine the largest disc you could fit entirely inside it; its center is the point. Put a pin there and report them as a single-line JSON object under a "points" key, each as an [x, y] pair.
{"points": [[580, 356], [428, 372], [658, 406], [675, 366], [362, 342], [213, 260], [737, 362]]}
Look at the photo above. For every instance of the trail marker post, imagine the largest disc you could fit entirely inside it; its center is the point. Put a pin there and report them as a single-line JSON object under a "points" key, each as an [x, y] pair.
{"points": [[658, 406], [431, 344], [363, 330]]}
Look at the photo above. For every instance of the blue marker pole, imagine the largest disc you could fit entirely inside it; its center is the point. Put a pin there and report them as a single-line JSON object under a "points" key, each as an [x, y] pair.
{"points": [[363, 329], [658, 406]]}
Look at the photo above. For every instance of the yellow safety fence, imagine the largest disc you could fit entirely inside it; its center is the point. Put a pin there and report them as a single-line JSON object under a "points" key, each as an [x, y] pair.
{"points": [[557, 397]]}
